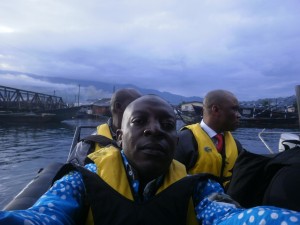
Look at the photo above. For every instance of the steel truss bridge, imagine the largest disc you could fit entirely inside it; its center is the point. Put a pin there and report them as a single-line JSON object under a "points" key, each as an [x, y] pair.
{"points": [[12, 99]]}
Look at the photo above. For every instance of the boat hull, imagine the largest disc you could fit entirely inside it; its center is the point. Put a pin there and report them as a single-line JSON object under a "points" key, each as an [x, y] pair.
{"points": [[63, 114], [269, 122], [10, 117]]}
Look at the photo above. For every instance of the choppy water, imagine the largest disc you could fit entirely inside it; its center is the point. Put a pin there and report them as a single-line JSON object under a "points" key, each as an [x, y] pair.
{"points": [[25, 149]]}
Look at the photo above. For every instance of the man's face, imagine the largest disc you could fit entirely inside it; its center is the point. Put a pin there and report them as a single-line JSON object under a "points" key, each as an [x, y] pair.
{"points": [[149, 136], [230, 114]]}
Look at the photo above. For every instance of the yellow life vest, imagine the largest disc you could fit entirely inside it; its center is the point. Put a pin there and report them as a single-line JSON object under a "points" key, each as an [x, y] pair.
{"points": [[209, 159], [111, 169], [104, 130]]}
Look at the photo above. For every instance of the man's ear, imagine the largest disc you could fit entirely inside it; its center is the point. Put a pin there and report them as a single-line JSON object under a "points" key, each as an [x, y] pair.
{"points": [[118, 105], [119, 134], [215, 108]]}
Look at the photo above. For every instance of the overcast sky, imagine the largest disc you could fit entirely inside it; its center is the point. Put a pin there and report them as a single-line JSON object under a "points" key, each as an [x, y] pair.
{"points": [[249, 47]]}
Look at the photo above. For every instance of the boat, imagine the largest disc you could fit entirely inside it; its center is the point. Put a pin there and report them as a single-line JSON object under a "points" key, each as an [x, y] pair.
{"points": [[190, 117], [62, 113], [45, 116], [271, 178], [269, 122], [268, 118], [250, 118], [286, 140], [43, 180], [26, 117], [44, 177]]}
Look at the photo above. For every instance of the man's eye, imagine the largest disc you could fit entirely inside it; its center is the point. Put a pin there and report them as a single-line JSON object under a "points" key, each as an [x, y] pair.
{"points": [[138, 121], [235, 109], [168, 125]]}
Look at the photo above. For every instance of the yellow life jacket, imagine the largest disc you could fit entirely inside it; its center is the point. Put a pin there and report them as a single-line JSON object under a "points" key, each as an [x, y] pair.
{"points": [[209, 159], [104, 130], [111, 169]]}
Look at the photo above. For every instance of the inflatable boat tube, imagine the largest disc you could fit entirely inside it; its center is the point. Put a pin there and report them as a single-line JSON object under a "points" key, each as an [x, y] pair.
{"points": [[35, 188]]}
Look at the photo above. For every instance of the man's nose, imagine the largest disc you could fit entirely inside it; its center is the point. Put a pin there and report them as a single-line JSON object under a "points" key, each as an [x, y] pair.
{"points": [[153, 128]]}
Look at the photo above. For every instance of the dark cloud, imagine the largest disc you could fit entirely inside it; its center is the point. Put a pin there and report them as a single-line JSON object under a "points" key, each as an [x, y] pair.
{"points": [[248, 47]]}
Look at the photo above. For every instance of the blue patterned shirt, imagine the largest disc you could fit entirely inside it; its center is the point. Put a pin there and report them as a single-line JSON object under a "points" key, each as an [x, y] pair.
{"points": [[62, 205]]}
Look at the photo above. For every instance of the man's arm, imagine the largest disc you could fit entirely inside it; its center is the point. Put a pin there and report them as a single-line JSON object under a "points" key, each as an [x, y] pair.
{"points": [[62, 204], [212, 206], [187, 149]]}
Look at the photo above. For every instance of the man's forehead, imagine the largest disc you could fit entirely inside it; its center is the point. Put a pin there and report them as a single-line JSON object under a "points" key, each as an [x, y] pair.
{"points": [[150, 111], [146, 101], [156, 105]]}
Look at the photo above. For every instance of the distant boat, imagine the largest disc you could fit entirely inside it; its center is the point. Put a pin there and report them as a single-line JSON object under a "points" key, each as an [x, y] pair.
{"points": [[25, 117], [63, 113], [190, 117], [268, 118], [55, 115], [270, 122], [250, 117]]}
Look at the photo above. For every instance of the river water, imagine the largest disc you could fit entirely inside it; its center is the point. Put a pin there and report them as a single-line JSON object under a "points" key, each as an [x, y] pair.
{"points": [[24, 149]]}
